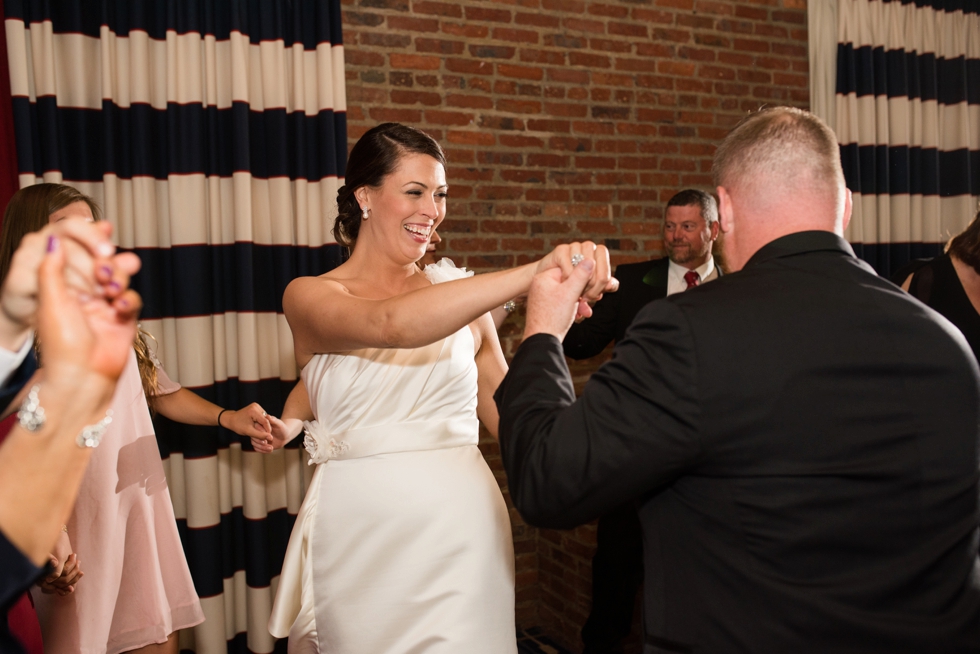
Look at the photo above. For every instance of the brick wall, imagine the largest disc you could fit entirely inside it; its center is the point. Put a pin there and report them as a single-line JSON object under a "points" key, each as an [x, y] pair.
{"points": [[563, 119]]}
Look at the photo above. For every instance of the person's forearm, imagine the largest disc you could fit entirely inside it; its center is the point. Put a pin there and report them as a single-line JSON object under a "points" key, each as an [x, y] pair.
{"points": [[452, 305], [187, 407], [413, 319], [40, 472]]}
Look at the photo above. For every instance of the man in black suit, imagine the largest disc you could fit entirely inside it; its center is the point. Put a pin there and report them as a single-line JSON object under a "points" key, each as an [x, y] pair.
{"points": [[690, 230], [802, 436]]}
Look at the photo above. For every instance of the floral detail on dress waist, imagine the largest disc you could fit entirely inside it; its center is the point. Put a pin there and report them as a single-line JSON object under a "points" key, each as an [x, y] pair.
{"points": [[445, 271], [321, 446]]}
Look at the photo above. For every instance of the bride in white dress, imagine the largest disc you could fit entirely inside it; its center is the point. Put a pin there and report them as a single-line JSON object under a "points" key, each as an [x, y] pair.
{"points": [[403, 543]]}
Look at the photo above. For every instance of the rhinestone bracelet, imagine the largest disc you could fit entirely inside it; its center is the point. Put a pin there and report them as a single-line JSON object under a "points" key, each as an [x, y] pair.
{"points": [[31, 417]]}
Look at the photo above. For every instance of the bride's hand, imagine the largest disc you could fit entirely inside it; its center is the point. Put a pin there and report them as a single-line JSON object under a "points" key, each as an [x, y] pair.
{"points": [[282, 433], [601, 281]]}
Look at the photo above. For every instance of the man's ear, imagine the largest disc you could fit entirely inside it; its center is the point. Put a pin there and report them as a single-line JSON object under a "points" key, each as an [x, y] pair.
{"points": [[726, 218], [848, 208], [715, 227]]}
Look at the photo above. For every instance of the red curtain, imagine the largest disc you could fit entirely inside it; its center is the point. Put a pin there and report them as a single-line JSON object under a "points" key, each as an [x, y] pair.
{"points": [[8, 150]]}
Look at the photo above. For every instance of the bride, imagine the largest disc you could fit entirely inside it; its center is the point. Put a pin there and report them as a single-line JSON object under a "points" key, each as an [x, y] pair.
{"points": [[403, 543]]}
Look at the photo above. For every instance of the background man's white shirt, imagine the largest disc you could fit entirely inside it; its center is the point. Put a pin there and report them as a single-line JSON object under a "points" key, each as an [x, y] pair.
{"points": [[676, 272]]}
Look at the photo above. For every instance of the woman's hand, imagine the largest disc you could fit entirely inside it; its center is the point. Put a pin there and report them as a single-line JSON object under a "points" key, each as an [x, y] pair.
{"points": [[252, 422], [567, 256], [90, 270], [82, 334], [66, 569], [284, 431]]}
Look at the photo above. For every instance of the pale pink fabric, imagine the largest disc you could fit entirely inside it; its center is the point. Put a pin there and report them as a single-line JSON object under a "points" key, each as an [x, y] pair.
{"points": [[165, 385], [137, 588]]}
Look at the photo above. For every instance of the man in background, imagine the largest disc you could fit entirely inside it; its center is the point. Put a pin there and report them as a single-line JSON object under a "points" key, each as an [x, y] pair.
{"points": [[690, 230]]}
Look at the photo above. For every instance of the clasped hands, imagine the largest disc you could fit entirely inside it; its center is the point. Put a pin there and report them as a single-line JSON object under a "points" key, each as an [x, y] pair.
{"points": [[566, 282]]}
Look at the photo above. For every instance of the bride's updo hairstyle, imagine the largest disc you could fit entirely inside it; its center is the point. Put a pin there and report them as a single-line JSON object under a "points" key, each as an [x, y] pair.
{"points": [[374, 157]]}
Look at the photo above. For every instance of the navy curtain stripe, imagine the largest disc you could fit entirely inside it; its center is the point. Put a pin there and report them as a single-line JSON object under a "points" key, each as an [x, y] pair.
{"points": [[896, 73], [222, 278], [966, 6], [908, 124], [141, 141], [895, 170], [309, 22], [227, 192], [889, 257]]}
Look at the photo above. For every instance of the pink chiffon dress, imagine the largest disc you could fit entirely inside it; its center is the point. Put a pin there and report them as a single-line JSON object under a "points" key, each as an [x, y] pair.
{"points": [[137, 588]]}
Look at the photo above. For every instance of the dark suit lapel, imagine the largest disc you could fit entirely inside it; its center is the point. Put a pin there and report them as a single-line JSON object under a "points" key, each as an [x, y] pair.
{"points": [[657, 275]]}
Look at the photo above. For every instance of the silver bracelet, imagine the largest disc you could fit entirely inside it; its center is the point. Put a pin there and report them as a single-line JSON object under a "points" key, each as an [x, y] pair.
{"points": [[91, 435], [31, 413], [31, 417]]}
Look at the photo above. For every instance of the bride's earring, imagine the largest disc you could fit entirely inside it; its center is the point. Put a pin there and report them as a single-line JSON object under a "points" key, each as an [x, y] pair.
{"points": [[364, 213]]}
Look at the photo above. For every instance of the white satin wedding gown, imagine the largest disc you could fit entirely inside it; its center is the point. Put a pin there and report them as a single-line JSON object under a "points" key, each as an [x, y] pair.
{"points": [[403, 543]]}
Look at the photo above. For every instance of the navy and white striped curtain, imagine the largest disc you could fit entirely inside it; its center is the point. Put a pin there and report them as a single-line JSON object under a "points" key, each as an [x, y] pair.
{"points": [[908, 121], [213, 134]]}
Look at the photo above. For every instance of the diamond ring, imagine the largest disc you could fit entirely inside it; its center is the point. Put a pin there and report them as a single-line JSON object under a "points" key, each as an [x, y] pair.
{"points": [[577, 259]]}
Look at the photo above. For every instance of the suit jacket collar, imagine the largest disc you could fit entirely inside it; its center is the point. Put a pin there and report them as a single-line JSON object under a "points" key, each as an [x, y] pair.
{"points": [[657, 275], [800, 243]]}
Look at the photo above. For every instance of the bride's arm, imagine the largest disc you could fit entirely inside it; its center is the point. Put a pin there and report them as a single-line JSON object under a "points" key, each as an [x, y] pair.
{"points": [[491, 366], [325, 317]]}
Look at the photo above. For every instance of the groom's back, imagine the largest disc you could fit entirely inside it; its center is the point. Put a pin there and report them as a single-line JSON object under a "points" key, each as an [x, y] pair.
{"points": [[835, 507]]}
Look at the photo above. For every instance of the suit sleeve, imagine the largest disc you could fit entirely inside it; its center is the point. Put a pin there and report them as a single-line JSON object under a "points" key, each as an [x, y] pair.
{"points": [[591, 336], [634, 429]]}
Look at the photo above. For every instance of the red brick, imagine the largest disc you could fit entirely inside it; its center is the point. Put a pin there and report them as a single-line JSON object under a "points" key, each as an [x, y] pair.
{"points": [[634, 30], [584, 25], [520, 72], [676, 68], [471, 138], [448, 117], [469, 101], [449, 9], [653, 16], [386, 114], [414, 62], [361, 58], [537, 19], [520, 36], [440, 46], [492, 51], [489, 15], [751, 45], [564, 6], [416, 97], [610, 11], [542, 57], [610, 45], [568, 75], [411, 24], [751, 13], [470, 66], [468, 30]]}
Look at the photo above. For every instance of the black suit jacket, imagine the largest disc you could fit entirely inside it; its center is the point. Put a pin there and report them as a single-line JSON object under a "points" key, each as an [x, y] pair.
{"points": [[615, 311], [803, 440]]}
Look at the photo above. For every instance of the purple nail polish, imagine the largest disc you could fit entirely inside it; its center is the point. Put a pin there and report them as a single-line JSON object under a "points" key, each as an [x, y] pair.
{"points": [[52, 243], [114, 285], [106, 270]]}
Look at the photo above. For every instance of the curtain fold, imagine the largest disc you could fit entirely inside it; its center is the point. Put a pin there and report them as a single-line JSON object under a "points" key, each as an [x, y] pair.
{"points": [[908, 121], [213, 134]]}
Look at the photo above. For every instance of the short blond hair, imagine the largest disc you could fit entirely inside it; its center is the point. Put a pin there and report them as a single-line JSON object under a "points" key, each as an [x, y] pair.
{"points": [[779, 147]]}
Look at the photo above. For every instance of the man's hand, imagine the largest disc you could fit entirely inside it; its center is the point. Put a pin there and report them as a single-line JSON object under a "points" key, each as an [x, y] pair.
{"points": [[553, 303]]}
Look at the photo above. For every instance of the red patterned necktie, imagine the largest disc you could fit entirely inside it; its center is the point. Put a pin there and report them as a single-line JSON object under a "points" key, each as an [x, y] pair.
{"points": [[692, 278]]}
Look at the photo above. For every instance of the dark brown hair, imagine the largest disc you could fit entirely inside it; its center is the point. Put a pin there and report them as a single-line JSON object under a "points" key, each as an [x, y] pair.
{"points": [[374, 157], [965, 246]]}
